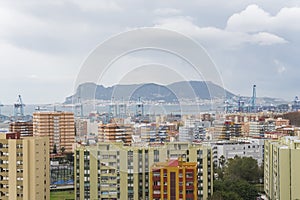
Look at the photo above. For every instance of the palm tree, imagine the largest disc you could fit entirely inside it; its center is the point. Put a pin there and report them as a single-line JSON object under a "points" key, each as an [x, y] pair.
{"points": [[222, 161], [62, 149]]}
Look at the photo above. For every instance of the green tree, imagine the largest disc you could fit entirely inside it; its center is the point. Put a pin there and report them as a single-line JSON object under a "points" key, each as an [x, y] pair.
{"points": [[245, 168], [235, 180], [233, 190], [223, 195]]}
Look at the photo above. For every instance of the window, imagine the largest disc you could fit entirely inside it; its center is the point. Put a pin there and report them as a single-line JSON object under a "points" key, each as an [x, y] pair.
{"points": [[156, 156]]}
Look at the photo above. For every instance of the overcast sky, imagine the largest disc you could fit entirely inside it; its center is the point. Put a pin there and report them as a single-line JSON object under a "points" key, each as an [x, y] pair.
{"points": [[44, 43]]}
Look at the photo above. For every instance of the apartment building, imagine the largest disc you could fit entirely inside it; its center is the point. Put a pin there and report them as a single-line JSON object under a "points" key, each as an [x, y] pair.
{"points": [[174, 179], [58, 126], [281, 168], [226, 130], [117, 171], [24, 128], [24, 167], [243, 148], [114, 132]]}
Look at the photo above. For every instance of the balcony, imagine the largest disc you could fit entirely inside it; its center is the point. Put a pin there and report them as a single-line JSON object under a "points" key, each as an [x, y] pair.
{"points": [[109, 196], [3, 157], [4, 182], [19, 150], [190, 196], [5, 174], [109, 174], [5, 190], [156, 187], [108, 188], [3, 165], [19, 158], [189, 187], [4, 150]]}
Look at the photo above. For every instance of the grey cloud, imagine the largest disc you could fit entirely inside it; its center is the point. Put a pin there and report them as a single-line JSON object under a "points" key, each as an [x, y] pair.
{"points": [[254, 19], [41, 39], [213, 35]]}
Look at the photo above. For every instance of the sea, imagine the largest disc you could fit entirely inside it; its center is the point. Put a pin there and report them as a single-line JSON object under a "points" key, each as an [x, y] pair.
{"points": [[151, 109]]}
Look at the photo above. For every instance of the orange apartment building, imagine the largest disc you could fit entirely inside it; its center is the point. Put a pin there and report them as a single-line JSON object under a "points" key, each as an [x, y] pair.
{"points": [[174, 179], [58, 126]]}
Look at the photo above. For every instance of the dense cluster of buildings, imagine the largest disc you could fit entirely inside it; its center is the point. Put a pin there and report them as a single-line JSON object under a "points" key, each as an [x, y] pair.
{"points": [[143, 157]]}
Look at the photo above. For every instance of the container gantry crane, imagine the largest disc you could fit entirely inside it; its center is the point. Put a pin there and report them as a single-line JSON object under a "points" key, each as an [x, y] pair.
{"points": [[296, 104], [19, 107], [252, 102]]}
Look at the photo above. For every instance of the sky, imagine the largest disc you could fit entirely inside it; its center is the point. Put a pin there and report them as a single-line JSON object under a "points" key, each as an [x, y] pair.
{"points": [[44, 43]]}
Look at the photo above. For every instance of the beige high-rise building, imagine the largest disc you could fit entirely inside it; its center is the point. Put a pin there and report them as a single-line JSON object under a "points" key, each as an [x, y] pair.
{"points": [[58, 126], [24, 167], [117, 171], [281, 168]]}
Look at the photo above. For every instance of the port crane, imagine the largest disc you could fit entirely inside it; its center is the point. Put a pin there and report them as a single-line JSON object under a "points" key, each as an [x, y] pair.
{"points": [[252, 101], [296, 104], [239, 105], [19, 107]]}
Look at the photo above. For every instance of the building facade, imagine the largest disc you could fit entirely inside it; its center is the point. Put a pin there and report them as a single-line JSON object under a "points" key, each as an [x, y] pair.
{"points": [[116, 171], [174, 179], [193, 130], [24, 128], [281, 168], [81, 128], [244, 148], [114, 132], [24, 167], [226, 130], [58, 126]]}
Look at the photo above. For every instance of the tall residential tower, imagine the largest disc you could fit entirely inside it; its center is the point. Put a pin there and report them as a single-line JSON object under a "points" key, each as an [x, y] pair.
{"points": [[58, 126], [281, 168], [24, 167]]}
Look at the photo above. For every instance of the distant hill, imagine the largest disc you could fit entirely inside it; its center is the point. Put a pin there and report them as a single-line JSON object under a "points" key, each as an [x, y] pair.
{"points": [[151, 92]]}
